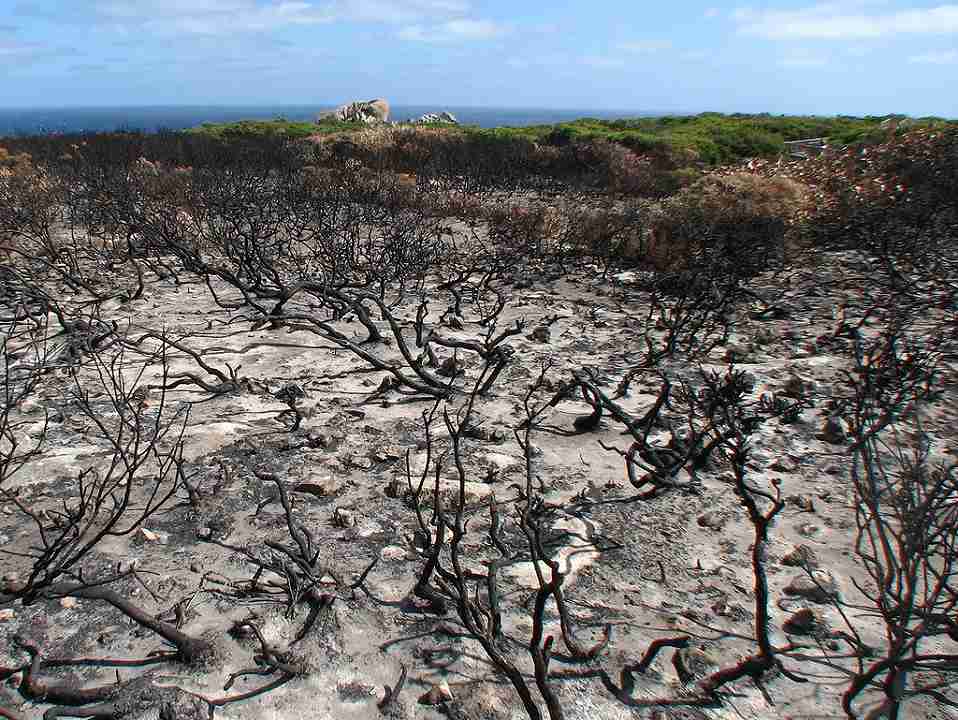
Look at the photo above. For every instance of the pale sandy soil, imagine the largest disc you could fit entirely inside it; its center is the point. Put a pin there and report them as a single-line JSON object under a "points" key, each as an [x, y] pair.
{"points": [[612, 551]]}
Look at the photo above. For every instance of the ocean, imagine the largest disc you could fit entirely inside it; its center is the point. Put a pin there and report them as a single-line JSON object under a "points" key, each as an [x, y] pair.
{"points": [[31, 121]]}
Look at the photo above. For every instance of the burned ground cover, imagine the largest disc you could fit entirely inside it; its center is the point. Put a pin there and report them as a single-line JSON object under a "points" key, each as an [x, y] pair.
{"points": [[300, 428]]}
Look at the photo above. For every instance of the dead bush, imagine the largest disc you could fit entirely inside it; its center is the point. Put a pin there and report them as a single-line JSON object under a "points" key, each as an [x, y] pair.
{"points": [[528, 230], [742, 219]]}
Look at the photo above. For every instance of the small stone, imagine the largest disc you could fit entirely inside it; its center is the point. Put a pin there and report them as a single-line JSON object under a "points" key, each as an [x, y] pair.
{"points": [[801, 556], [833, 431], [343, 518], [735, 352], [693, 664], [149, 535], [320, 487], [802, 502], [787, 604], [820, 587], [451, 367], [809, 530], [360, 461], [420, 540], [795, 387], [392, 552], [7, 614], [389, 453], [318, 440], [541, 334], [783, 464], [29, 405], [437, 694], [500, 461], [69, 602], [805, 622], [395, 488], [712, 519]]}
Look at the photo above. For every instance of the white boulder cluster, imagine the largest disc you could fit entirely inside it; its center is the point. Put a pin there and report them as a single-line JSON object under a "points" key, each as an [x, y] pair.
{"points": [[376, 112], [430, 118]]}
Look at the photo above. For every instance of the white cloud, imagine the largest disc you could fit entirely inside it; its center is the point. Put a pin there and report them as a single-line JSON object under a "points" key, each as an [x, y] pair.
{"points": [[395, 12], [940, 57], [841, 20], [711, 12], [454, 31], [216, 17], [210, 17]]}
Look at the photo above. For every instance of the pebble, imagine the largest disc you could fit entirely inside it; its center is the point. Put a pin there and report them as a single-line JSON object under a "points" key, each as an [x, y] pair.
{"points": [[392, 552], [693, 663], [833, 431], [437, 694], [801, 556], [784, 464], [805, 622], [541, 334], [819, 588], [320, 487], [387, 454], [795, 387], [712, 520], [343, 518], [155, 536], [802, 502], [736, 352]]}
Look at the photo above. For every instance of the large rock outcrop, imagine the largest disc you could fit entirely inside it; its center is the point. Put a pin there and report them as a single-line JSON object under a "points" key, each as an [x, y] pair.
{"points": [[432, 118], [368, 112]]}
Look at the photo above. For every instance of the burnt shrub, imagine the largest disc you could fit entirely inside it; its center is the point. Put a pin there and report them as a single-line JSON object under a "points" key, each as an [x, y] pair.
{"points": [[28, 208], [896, 201], [739, 220]]}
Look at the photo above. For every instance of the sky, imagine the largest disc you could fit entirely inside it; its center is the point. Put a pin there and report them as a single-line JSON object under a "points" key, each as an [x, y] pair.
{"points": [[846, 57]]}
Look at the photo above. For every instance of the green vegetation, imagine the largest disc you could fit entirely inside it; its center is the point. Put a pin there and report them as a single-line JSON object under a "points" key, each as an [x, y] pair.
{"points": [[714, 138], [708, 138], [277, 126]]}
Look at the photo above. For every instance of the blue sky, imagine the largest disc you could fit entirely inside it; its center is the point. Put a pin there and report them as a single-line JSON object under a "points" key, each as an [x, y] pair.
{"points": [[849, 56]]}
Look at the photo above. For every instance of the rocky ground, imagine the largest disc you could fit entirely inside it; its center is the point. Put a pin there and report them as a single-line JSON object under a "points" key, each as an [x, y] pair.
{"points": [[676, 564]]}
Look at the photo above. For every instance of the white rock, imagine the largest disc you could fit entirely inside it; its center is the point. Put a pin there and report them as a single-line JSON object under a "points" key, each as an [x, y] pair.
{"points": [[392, 552]]}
